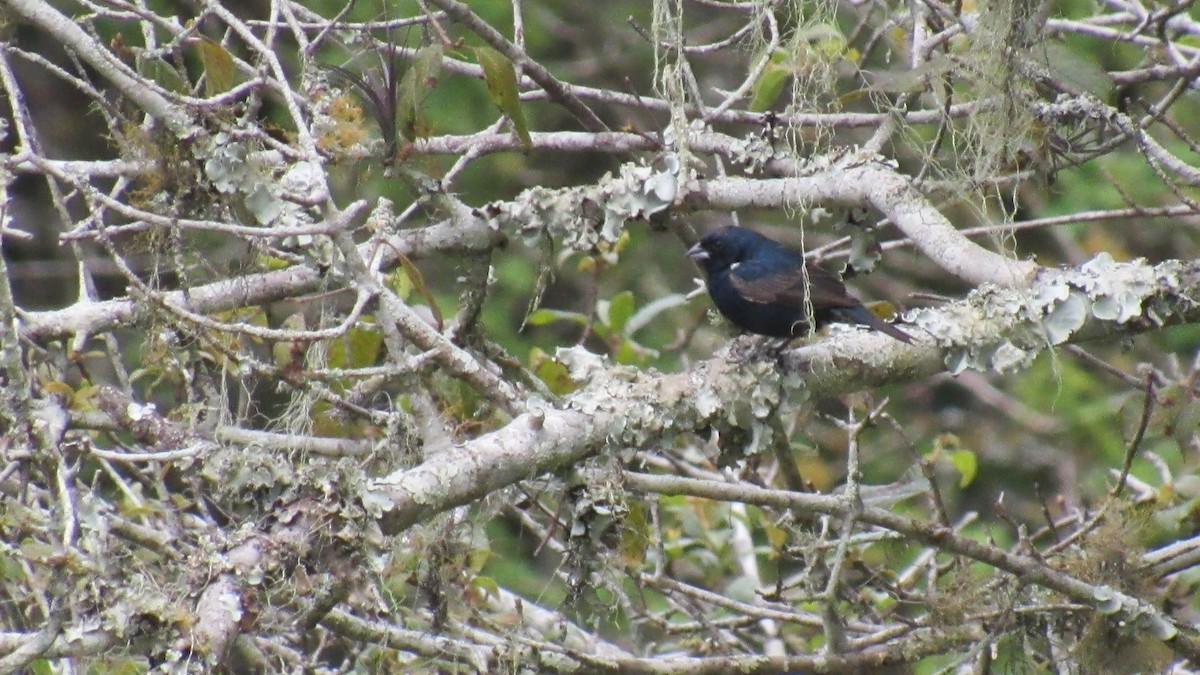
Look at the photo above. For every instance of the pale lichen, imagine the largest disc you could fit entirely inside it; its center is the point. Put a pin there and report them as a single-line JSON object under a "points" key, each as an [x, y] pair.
{"points": [[581, 219], [1003, 329]]}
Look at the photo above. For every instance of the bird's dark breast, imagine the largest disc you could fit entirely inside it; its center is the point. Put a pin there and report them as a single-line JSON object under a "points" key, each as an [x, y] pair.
{"points": [[772, 319]]}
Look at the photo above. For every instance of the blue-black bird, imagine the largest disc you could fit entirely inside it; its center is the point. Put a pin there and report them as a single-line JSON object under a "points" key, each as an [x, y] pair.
{"points": [[760, 285]]}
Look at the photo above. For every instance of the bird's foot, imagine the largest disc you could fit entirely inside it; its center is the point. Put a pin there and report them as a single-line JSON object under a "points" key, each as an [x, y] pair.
{"points": [[747, 349], [744, 349], [776, 347]]}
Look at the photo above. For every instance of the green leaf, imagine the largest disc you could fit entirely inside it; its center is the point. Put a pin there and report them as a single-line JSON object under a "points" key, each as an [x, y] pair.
{"points": [[400, 284], [541, 317], [628, 354], [427, 65], [826, 40], [950, 446], [37, 551], [10, 568], [488, 585], [164, 75], [501, 78], [620, 308], [1083, 71], [553, 373], [821, 32], [1186, 423], [777, 537], [933, 71], [288, 353], [358, 348], [414, 87], [967, 464], [769, 85], [219, 73], [271, 263], [477, 558]]}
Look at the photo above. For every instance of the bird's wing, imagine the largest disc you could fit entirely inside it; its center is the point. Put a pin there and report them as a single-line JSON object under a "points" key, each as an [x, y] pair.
{"points": [[787, 288]]}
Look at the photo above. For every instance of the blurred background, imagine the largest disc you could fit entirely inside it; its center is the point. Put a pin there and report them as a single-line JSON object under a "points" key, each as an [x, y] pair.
{"points": [[1047, 438]]}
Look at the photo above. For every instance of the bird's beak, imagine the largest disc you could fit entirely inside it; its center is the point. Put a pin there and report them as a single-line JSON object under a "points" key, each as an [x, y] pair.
{"points": [[697, 253]]}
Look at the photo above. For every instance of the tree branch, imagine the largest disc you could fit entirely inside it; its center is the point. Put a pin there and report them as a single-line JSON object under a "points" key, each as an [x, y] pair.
{"points": [[995, 329]]}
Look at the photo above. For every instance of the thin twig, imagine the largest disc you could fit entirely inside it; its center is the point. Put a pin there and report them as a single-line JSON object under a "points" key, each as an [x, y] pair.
{"points": [[1131, 450]]}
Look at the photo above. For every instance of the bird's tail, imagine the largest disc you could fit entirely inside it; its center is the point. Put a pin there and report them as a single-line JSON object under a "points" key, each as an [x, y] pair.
{"points": [[862, 315]]}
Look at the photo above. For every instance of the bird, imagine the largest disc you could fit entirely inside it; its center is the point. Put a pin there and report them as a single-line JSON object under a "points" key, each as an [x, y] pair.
{"points": [[763, 287]]}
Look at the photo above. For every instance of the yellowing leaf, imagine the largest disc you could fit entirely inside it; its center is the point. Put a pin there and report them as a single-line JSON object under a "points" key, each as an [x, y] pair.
{"points": [[272, 263], [943, 444], [219, 73], [777, 536], [414, 275], [61, 389], [635, 535], [882, 309]]}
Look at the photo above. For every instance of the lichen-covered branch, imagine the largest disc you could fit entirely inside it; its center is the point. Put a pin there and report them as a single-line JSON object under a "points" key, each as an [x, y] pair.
{"points": [[995, 329], [310, 363]]}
